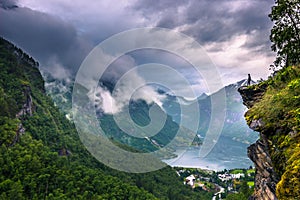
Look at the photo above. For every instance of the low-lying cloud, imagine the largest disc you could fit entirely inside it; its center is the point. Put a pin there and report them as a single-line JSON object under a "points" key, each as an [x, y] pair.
{"points": [[114, 102]]}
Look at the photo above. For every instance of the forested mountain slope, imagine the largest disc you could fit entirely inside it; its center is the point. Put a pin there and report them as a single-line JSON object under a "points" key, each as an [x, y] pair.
{"points": [[42, 156]]}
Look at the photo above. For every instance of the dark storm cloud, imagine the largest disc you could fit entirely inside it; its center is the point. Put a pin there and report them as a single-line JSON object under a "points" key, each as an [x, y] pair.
{"points": [[47, 38], [150, 7], [59, 34], [8, 4], [212, 21]]}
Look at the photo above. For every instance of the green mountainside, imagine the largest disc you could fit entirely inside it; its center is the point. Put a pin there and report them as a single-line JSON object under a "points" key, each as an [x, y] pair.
{"points": [[61, 93], [275, 113], [42, 156], [139, 111]]}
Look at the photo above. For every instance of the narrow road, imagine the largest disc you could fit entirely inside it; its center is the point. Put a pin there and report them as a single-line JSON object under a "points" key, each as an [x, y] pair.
{"points": [[222, 190]]}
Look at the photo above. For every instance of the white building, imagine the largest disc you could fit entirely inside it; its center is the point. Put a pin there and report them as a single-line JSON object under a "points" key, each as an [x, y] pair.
{"points": [[239, 175], [190, 180], [224, 177]]}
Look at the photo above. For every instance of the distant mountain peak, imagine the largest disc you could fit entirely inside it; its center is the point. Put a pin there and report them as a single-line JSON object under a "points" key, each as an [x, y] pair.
{"points": [[202, 96]]}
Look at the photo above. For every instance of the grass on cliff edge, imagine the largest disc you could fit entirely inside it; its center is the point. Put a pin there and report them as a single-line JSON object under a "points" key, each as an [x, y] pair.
{"points": [[279, 110]]}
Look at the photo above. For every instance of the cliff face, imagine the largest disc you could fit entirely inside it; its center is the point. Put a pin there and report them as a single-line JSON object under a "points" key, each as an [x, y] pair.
{"points": [[274, 111], [265, 177], [27, 109]]}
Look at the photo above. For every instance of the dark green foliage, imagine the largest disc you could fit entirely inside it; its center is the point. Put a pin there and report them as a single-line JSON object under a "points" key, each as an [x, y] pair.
{"points": [[8, 129], [238, 196], [244, 192], [285, 33], [244, 189], [42, 173]]}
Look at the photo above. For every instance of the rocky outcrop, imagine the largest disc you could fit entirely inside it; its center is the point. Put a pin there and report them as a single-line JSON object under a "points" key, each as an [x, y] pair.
{"points": [[265, 176], [27, 109], [28, 106], [250, 95]]}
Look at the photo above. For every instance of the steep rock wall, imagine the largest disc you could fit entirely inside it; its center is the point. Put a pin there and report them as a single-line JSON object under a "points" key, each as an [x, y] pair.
{"points": [[265, 176]]}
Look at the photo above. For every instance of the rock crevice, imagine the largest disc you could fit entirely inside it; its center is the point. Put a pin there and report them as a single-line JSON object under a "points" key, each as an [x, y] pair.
{"points": [[27, 109]]}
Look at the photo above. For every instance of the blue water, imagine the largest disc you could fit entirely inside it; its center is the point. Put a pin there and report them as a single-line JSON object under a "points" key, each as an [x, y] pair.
{"points": [[227, 154]]}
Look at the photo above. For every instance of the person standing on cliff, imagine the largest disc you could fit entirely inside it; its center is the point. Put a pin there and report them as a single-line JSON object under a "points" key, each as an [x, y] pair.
{"points": [[249, 80]]}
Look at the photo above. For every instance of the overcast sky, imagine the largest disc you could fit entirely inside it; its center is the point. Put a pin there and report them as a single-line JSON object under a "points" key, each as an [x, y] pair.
{"points": [[61, 33]]}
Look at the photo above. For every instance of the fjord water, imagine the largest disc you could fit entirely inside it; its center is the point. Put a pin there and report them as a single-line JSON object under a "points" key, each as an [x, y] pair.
{"points": [[230, 150], [227, 154]]}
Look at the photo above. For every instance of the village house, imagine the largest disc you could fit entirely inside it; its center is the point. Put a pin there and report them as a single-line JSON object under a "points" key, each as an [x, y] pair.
{"points": [[190, 180], [237, 176], [224, 177]]}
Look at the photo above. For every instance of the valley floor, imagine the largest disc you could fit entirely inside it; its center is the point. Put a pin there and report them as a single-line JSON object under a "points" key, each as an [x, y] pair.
{"points": [[224, 184]]}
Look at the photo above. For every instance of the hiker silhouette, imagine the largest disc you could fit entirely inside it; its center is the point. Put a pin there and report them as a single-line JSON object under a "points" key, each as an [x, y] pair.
{"points": [[249, 80]]}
